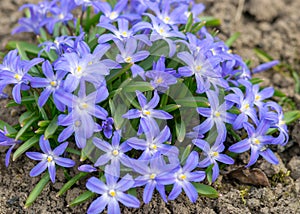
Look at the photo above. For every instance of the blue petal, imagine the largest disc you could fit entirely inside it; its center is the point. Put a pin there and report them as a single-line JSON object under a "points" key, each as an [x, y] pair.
{"points": [[52, 171], [59, 150], [128, 200], [98, 205], [190, 191], [148, 192], [45, 145], [113, 207], [96, 185], [177, 189], [38, 169], [35, 155], [65, 162]]}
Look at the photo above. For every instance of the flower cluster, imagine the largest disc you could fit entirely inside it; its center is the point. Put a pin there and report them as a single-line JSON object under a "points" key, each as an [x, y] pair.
{"points": [[118, 85]]}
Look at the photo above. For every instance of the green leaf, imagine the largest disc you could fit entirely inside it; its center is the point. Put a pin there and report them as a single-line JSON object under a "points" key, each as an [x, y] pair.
{"points": [[37, 190], [82, 198], [28, 99], [132, 192], [186, 153], [211, 21], [189, 24], [25, 117], [26, 126], [262, 55], [140, 86], [206, 190], [51, 129], [9, 128], [278, 93], [193, 102], [197, 27], [25, 146], [232, 39], [41, 109], [71, 182], [291, 116], [170, 107], [180, 130], [297, 81], [43, 123], [255, 81]]}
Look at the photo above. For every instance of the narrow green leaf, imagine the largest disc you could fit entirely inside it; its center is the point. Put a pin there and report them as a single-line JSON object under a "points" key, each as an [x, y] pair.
{"points": [[297, 81], [232, 39], [186, 153], [9, 128], [25, 146], [256, 81], [132, 192], [41, 109], [211, 21], [82, 198], [189, 24], [25, 116], [278, 93], [197, 27], [171, 107], [37, 190], [26, 126], [140, 86], [180, 130], [43, 123], [28, 99], [291, 116], [262, 55], [51, 129], [73, 151], [193, 102], [206, 190], [71, 182]]}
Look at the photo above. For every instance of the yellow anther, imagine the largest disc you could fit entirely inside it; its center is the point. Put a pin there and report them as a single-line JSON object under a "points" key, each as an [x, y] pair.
{"points": [[153, 146], [145, 112], [246, 106], [198, 68], [256, 141], [18, 77], [79, 69], [53, 83], [159, 80], [152, 176], [113, 15], [167, 19], [128, 59], [281, 122], [115, 152], [112, 193], [161, 30], [214, 154], [229, 51], [77, 123], [124, 33], [49, 158], [182, 177], [84, 106], [90, 63], [217, 114], [257, 97], [61, 16]]}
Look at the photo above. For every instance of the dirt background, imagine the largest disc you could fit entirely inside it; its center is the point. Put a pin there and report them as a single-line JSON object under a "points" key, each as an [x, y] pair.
{"points": [[270, 25]]}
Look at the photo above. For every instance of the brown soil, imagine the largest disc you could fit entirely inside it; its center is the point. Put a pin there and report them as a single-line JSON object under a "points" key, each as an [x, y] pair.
{"points": [[270, 25]]}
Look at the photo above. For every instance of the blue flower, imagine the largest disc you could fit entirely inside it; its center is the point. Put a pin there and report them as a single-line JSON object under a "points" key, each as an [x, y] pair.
{"points": [[153, 144], [122, 33], [107, 127], [83, 109], [111, 193], [213, 154], [245, 103], [183, 177], [216, 115], [151, 175], [17, 75], [6, 141], [49, 158], [130, 54], [114, 152], [206, 71], [161, 76], [110, 14], [147, 113], [51, 83], [257, 142]]}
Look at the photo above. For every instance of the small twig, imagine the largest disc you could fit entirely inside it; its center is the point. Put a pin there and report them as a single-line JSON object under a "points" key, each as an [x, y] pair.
{"points": [[239, 10]]}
